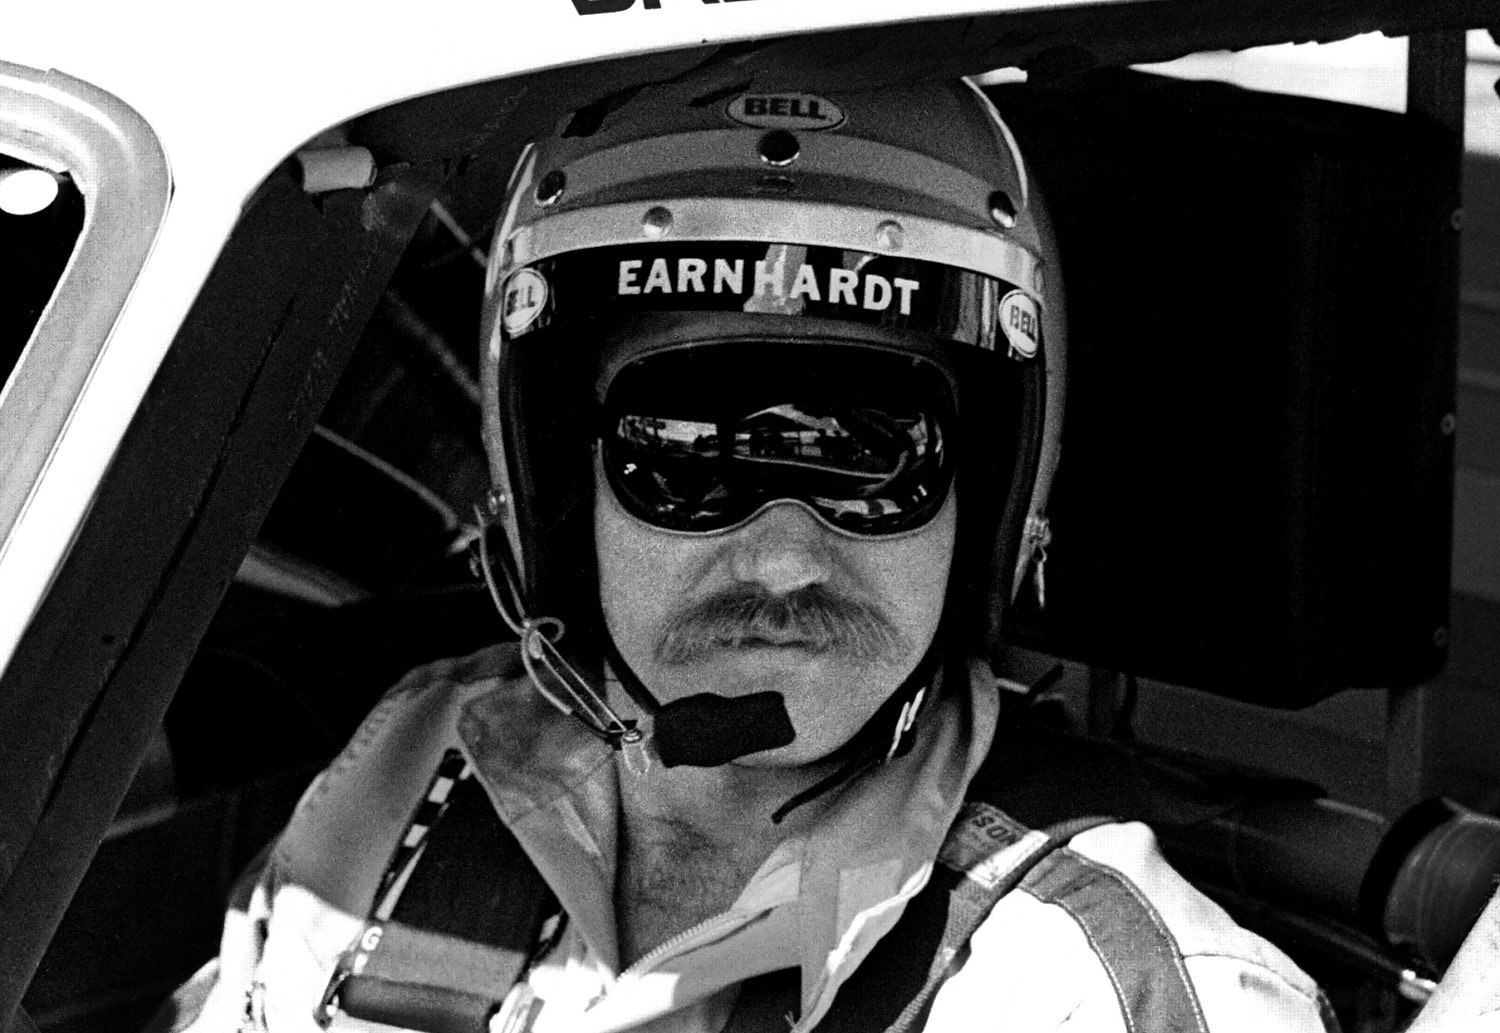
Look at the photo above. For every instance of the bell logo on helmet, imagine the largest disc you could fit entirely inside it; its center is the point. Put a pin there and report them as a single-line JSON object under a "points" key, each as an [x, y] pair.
{"points": [[1021, 321], [803, 111], [525, 295]]}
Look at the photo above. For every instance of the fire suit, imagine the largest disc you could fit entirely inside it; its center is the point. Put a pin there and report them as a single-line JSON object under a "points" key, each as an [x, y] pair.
{"points": [[1107, 938]]}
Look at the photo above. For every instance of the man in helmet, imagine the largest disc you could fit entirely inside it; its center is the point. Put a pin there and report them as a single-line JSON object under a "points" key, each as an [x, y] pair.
{"points": [[773, 388]]}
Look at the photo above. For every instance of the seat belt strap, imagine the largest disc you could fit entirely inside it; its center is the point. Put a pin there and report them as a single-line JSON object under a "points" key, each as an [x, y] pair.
{"points": [[444, 961], [1130, 939], [985, 857], [458, 918]]}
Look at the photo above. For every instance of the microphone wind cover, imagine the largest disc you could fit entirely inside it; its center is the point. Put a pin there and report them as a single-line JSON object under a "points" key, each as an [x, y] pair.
{"points": [[706, 730]]}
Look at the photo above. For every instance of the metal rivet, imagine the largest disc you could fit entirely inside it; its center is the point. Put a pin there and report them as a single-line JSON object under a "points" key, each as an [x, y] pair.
{"points": [[779, 147], [550, 188], [889, 235], [1448, 424], [495, 501], [1440, 637], [1039, 280], [656, 222], [1456, 220], [1002, 210]]}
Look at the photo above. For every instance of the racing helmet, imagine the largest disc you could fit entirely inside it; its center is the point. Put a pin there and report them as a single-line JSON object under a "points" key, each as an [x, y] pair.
{"points": [[666, 253]]}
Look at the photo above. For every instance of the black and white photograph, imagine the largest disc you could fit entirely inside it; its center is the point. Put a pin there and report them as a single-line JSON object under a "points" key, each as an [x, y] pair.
{"points": [[750, 516]]}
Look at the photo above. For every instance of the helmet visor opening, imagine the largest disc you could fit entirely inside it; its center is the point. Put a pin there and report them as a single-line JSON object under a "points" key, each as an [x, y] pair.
{"points": [[701, 438]]}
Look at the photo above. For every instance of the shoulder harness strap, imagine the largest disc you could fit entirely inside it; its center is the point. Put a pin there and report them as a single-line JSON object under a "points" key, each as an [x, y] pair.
{"points": [[442, 962], [439, 961], [985, 857], [1130, 939]]}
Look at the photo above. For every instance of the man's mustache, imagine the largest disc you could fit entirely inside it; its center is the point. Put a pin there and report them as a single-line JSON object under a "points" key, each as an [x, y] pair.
{"points": [[813, 618]]}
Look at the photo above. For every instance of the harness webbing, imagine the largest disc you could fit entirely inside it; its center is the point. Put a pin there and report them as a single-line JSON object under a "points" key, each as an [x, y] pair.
{"points": [[471, 914], [459, 916], [894, 986], [1129, 937]]}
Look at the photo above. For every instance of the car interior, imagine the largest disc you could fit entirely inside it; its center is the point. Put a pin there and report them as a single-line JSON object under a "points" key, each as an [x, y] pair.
{"points": [[1252, 519]]}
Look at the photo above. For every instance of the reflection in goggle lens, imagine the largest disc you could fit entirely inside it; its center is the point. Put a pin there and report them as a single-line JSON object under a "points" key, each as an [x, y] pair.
{"points": [[868, 463]]}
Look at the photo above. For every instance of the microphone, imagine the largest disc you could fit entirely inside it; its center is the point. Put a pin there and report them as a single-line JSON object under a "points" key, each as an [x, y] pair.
{"points": [[707, 730]]}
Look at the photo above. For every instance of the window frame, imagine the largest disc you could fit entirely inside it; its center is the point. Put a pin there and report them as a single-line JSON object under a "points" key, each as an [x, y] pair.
{"points": [[63, 124]]}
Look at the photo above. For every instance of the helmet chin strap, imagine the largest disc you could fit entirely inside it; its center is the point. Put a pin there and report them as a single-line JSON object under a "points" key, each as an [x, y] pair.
{"points": [[889, 733]]}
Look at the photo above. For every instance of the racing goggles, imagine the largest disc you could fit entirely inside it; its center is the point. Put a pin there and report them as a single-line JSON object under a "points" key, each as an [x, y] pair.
{"points": [[701, 438]]}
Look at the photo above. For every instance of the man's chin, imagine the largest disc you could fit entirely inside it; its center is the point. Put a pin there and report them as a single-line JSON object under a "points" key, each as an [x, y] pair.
{"points": [[816, 741]]}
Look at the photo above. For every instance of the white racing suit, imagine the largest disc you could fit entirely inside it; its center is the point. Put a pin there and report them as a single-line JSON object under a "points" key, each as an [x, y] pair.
{"points": [[1109, 938]]}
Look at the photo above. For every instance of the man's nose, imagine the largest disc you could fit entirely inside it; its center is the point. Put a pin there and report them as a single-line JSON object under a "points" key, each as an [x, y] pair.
{"points": [[782, 550]]}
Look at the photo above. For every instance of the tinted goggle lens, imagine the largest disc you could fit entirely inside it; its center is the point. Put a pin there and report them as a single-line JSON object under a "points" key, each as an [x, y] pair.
{"points": [[699, 440]]}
